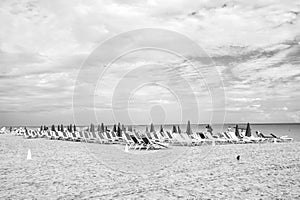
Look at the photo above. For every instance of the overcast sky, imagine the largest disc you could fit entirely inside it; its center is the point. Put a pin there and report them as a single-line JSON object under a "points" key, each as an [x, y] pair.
{"points": [[254, 45]]}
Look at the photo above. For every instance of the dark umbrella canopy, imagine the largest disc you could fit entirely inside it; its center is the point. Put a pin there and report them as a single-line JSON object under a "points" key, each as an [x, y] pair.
{"points": [[61, 127], [99, 128], [115, 128], [74, 127], [237, 134], [178, 129], [41, 128], [119, 132], [58, 127], [71, 128], [52, 128], [174, 130], [102, 128], [161, 129], [92, 128], [248, 131], [152, 128], [188, 128]]}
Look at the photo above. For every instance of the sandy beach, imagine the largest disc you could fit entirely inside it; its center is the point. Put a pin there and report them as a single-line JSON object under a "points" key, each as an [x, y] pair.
{"points": [[69, 170]]}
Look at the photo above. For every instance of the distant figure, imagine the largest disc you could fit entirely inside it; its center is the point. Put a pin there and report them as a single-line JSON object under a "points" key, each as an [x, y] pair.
{"points": [[238, 157]]}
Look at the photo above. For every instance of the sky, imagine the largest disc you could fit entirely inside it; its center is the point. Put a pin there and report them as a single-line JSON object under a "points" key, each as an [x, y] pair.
{"points": [[79, 61]]}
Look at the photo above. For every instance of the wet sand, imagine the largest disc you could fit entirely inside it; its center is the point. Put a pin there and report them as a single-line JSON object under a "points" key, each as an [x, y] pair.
{"points": [[69, 170]]}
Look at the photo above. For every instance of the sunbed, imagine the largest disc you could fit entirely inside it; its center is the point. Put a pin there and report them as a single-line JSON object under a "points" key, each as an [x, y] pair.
{"points": [[188, 139], [110, 138], [27, 135], [138, 144], [93, 137], [75, 136], [56, 135], [86, 136], [129, 141], [282, 138]]}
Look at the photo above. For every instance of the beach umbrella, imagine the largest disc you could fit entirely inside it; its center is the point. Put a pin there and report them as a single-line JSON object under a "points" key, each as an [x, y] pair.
{"points": [[52, 128], [106, 128], [45, 128], [102, 128], [74, 127], [152, 128], [99, 128], [61, 127], [71, 128], [119, 131], [188, 128], [92, 128], [115, 128], [237, 134], [161, 129], [178, 129], [41, 128], [248, 131], [174, 129]]}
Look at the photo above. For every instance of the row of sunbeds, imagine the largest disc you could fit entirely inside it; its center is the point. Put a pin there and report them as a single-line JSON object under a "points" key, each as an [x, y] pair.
{"points": [[151, 140]]}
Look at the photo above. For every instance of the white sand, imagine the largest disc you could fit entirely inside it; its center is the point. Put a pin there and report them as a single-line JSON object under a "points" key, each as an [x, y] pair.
{"points": [[68, 170]]}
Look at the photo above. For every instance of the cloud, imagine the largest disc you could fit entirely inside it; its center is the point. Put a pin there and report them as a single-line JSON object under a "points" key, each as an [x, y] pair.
{"points": [[254, 46]]}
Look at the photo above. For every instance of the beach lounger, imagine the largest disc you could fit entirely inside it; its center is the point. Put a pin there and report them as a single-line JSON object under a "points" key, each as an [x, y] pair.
{"points": [[41, 134], [138, 144], [199, 139], [56, 136], [215, 139], [75, 136], [86, 136], [49, 135], [138, 136], [115, 137], [110, 138], [179, 140], [66, 135], [188, 139], [150, 144], [80, 134], [102, 138], [94, 137], [129, 141], [282, 138], [27, 135], [267, 138], [234, 137]]}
